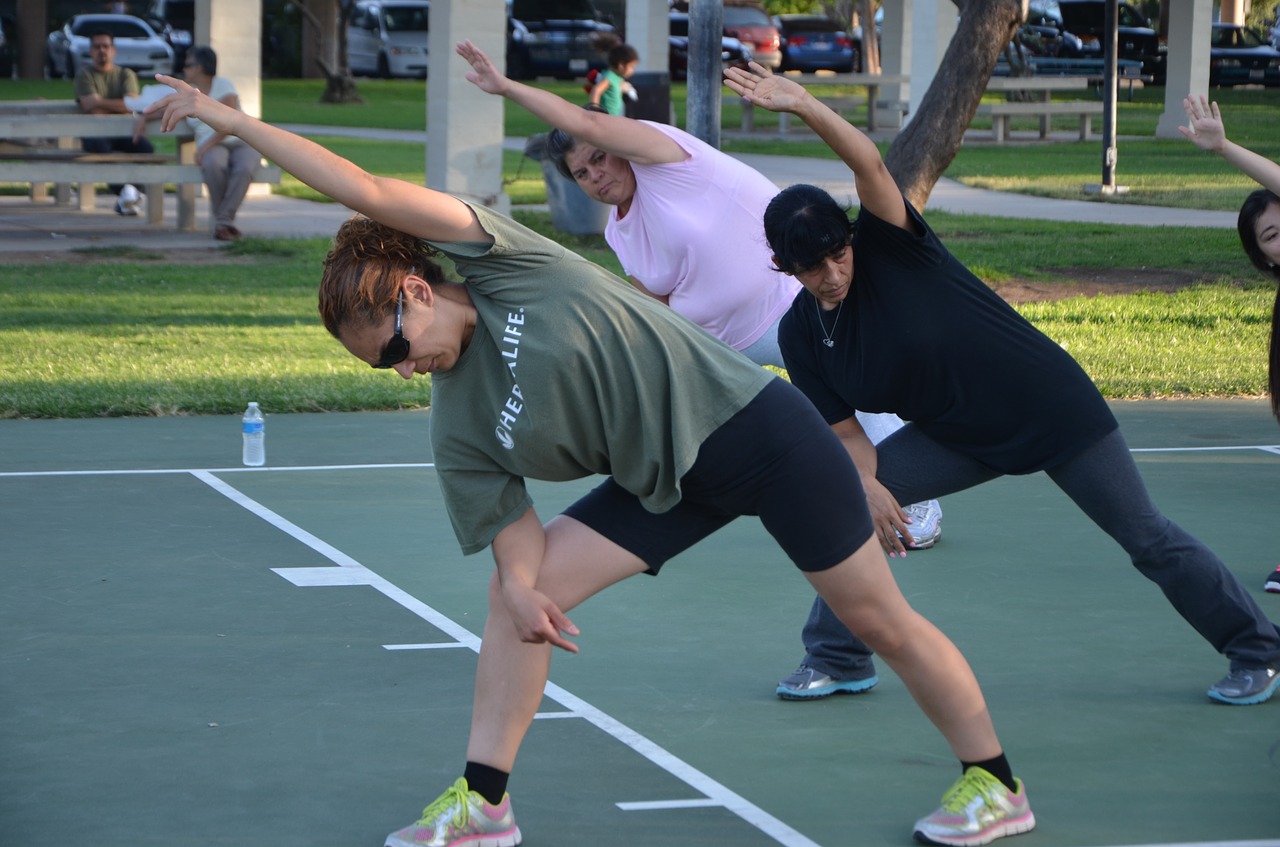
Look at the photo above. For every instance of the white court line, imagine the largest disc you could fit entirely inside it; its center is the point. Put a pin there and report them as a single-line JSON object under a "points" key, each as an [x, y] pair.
{"points": [[351, 572], [1266, 448], [384, 466], [448, 645], [651, 805]]}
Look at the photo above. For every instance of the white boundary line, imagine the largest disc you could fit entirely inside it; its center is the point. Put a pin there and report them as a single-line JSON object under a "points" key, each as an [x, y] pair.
{"points": [[1266, 448], [351, 572]]}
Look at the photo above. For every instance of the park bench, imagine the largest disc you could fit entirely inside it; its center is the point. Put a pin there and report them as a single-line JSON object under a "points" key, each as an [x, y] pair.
{"points": [[40, 144], [1000, 114], [1128, 71]]}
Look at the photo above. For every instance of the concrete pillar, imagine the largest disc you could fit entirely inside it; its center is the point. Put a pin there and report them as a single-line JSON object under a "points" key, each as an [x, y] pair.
{"points": [[235, 34], [647, 31], [1188, 68], [464, 125], [895, 56], [933, 25]]}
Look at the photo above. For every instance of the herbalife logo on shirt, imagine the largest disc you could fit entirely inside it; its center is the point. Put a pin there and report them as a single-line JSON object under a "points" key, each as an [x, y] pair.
{"points": [[510, 411]]}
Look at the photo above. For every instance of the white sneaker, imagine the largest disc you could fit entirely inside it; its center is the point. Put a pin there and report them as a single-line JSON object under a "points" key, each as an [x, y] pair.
{"points": [[926, 524], [128, 201]]}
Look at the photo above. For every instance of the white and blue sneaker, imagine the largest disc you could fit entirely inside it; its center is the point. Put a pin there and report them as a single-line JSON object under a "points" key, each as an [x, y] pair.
{"points": [[805, 683], [926, 524], [1246, 686], [128, 201]]}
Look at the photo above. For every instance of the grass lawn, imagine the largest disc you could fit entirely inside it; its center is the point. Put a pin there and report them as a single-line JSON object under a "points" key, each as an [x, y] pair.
{"points": [[130, 334]]}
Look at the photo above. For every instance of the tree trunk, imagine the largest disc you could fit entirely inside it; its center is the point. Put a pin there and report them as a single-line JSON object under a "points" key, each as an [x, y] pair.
{"points": [[340, 85], [923, 150], [870, 37]]}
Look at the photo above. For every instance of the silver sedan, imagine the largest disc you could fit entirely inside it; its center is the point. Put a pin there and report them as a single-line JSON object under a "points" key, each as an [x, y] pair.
{"points": [[138, 46]]}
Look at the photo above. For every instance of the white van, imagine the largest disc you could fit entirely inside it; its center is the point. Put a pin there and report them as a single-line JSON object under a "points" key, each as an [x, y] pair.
{"points": [[388, 38]]}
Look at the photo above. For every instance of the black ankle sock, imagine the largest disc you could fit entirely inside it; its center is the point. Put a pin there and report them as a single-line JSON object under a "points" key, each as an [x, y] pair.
{"points": [[489, 783], [997, 767]]}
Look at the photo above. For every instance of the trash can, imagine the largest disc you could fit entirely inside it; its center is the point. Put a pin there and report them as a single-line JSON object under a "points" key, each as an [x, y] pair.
{"points": [[653, 98], [572, 211]]}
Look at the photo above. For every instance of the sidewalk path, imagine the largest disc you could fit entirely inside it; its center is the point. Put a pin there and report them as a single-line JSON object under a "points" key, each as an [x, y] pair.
{"points": [[26, 228]]}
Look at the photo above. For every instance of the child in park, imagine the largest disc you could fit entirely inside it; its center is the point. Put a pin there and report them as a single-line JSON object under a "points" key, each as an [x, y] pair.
{"points": [[614, 82]]}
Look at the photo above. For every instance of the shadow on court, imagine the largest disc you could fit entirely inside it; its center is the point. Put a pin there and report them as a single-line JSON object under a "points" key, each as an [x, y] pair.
{"points": [[196, 654]]}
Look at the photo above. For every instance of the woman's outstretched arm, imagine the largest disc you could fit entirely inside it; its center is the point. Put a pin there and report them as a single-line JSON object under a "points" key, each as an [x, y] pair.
{"points": [[623, 137], [877, 190], [410, 208], [1207, 132]]}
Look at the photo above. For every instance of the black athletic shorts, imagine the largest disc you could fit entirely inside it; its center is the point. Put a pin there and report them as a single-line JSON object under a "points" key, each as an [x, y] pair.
{"points": [[776, 458]]}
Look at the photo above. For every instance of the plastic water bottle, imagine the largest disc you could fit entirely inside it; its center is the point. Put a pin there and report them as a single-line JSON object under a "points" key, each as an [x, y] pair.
{"points": [[253, 426]]}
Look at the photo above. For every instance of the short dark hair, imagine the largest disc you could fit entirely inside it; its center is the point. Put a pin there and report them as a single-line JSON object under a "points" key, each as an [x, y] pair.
{"points": [[805, 225], [621, 54], [559, 143], [204, 56], [98, 32]]}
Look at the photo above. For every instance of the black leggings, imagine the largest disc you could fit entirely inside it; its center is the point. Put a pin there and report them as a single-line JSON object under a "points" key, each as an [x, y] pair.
{"points": [[775, 458], [1103, 480]]}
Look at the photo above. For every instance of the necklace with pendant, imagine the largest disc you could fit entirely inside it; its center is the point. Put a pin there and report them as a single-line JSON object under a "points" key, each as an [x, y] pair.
{"points": [[828, 340]]}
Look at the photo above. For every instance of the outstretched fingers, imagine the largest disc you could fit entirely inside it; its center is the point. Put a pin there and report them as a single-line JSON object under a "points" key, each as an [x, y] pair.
{"points": [[178, 106], [483, 74]]}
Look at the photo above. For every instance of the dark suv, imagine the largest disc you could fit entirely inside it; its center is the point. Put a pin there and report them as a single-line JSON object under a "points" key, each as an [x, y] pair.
{"points": [[559, 38], [1136, 38], [175, 20]]}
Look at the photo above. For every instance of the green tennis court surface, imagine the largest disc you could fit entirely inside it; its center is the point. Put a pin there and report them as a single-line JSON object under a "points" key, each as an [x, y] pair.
{"points": [[196, 654]]}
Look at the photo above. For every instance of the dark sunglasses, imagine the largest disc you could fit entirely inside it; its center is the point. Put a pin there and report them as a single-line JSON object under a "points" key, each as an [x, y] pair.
{"points": [[397, 349]]}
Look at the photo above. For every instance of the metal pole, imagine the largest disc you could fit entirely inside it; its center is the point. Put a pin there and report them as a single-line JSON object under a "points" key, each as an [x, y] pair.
{"points": [[1110, 46], [706, 71]]}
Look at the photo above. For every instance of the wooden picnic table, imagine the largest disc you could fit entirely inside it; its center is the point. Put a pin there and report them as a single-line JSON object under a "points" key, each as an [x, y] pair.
{"points": [[40, 144]]}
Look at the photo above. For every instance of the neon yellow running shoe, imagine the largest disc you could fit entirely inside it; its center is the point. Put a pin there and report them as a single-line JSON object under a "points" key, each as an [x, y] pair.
{"points": [[978, 809], [461, 818]]}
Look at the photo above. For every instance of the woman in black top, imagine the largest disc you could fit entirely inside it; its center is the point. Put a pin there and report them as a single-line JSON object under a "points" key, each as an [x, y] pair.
{"points": [[986, 393]]}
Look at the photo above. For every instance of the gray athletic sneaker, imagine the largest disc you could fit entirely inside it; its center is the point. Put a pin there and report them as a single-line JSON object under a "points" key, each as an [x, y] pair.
{"points": [[926, 524], [807, 684], [1246, 686]]}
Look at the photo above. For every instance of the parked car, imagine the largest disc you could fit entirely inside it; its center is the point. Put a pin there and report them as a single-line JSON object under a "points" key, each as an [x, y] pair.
{"points": [[559, 38], [1044, 34], [1136, 39], [1241, 56], [138, 46], [748, 22], [815, 43], [175, 20], [388, 38], [732, 51]]}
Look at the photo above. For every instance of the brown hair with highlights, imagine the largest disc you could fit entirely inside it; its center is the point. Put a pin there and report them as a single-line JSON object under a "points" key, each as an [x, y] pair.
{"points": [[364, 270]]}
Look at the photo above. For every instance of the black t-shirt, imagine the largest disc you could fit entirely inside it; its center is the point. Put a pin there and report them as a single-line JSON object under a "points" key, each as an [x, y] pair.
{"points": [[921, 336]]}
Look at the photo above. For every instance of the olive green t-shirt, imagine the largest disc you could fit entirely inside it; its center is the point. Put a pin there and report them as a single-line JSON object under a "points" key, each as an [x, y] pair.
{"points": [[114, 84], [570, 372]]}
